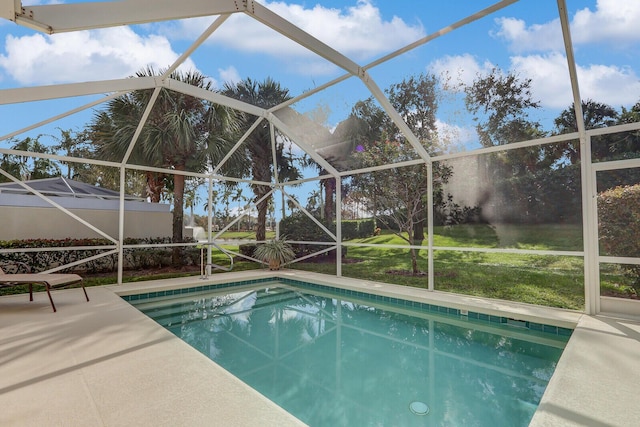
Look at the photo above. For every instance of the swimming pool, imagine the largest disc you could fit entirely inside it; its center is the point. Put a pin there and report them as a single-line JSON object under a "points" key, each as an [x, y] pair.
{"points": [[351, 358]]}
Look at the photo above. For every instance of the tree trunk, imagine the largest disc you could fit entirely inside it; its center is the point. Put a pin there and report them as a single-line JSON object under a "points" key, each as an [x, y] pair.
{"points": [[155, 184], [414, 262], [261, 172], [412, 251], [178, 216], [418, 228], [329, 189], [262, 207]]}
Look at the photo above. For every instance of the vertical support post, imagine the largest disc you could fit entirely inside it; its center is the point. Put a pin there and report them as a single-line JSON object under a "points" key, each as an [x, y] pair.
{"points": [[339, 226], [591, 290], [121, 224], [338, 343], [590, 230], [432, 358], [431, 275], [209, 225]]}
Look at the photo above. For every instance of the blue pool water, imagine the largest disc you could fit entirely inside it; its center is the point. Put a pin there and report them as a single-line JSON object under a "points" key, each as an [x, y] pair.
{"points": [[336, 360]]}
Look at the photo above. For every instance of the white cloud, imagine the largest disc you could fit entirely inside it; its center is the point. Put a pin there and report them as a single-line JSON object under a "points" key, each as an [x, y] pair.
{"points": [[611, 22], [549, 76], [84, 56], [538, 37], [229, 75], [610, 84], [459, 69], [454, 138], [359, 32], [614, 22], [550, 84]]}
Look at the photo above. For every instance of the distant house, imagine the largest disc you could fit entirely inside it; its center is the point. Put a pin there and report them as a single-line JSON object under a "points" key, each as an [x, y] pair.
{"points": [[24, 215]]}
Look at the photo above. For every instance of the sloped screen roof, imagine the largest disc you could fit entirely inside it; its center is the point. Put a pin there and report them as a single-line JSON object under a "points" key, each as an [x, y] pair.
{"points": [[317, 119], [64, 188]]}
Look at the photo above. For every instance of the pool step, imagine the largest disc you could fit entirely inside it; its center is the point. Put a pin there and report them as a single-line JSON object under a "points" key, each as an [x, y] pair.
{"points": [[177, 313]]}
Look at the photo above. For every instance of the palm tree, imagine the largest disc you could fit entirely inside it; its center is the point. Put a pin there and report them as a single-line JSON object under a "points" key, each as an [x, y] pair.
{"points": [[258, 152], [112, 131], [181, 133]]}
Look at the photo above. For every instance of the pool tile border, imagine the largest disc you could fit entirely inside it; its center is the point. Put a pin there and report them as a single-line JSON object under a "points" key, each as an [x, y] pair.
{"points": [[483, 317]]}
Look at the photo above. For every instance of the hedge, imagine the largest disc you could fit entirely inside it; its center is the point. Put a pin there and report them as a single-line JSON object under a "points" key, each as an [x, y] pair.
{"points": [[136, 258], [619, 226], [301, 227]]}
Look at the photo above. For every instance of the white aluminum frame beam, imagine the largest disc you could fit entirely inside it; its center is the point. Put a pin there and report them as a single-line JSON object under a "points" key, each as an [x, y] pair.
{"points": [[217, 98], [287, 29], [304, 39], [286, 130], [60, 18], [70, 90], [61, 116], [397, 119], [449, 28], [589, 216], [481, 14]]}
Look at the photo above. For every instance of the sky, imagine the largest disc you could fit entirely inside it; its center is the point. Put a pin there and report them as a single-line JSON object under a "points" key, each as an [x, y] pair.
{"points": [[524, 38]]}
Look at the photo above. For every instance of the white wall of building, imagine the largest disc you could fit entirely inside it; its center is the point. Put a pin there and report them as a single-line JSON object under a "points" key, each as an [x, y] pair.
{"points": [[30, 217]]}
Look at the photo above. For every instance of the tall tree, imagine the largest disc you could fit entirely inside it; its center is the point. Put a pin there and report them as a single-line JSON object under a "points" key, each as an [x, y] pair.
{"points": [[112, 131], [631, 115], [595, 115], [530, 184], [257, 147], [501, 104], [416, 100], [26, 167], [629, 142], [181, 133], [74, 144], [79, 144], [400, 194]]}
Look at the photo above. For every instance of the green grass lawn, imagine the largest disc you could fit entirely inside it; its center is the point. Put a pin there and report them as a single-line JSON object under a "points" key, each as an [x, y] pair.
{"points": [[554, 281], [533, 237], [245, 235], [544, 280]]}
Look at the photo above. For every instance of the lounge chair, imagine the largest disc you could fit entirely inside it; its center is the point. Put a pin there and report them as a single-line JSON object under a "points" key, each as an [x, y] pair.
{"points": [[49, 280]]}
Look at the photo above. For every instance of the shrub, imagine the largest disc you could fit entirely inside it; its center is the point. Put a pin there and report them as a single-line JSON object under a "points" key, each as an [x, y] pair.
{"points": [[247, 249], [619, 226], [135, 258], [366, 228], [275, 253], [450, 213], [349, 230], [357, 229], [299, 226]]}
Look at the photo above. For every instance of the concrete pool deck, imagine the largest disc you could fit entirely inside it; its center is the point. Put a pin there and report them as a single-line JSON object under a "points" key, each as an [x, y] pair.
{"points": [[103, 363]]}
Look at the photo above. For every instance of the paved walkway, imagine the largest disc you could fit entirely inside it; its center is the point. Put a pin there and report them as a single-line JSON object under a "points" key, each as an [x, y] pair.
{"points": [[103, 363]]}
